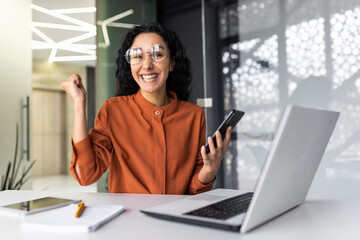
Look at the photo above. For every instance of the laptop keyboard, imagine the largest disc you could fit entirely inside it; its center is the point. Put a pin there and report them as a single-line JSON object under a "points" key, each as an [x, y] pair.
{"points": [[224, 209]]}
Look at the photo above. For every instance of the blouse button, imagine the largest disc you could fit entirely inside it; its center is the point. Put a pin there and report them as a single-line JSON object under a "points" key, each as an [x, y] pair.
{"points": [[157, 112]]}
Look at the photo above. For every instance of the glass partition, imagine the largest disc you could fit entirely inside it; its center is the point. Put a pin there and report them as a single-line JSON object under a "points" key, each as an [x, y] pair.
{"points": [[275, 52]]}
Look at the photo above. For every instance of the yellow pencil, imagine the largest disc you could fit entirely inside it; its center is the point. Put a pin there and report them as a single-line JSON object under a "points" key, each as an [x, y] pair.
{"points": [[80, 209]]}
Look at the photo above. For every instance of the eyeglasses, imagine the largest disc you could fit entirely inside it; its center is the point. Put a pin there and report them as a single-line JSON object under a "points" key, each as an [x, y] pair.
{"points": [[136, 55]]}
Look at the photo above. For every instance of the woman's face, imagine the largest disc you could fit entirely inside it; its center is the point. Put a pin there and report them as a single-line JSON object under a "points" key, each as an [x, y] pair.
{"points": [[151, 75]]}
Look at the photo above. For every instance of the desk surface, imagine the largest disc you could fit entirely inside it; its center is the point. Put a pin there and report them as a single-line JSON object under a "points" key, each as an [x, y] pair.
{"points": [[311, 220]]}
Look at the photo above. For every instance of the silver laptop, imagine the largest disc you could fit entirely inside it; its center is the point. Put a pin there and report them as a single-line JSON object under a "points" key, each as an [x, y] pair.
{"points": [[298, 146]]}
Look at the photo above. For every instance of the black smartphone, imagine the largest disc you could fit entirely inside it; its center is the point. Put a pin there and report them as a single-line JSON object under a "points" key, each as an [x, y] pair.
{"points": [[231, 119]]}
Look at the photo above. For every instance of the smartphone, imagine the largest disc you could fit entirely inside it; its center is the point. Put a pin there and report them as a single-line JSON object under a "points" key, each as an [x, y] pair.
{"points": [[37, 205], [231, 119]]}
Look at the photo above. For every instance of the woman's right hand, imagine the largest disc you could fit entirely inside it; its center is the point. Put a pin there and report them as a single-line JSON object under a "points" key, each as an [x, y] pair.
{"points": [[75, 89]]}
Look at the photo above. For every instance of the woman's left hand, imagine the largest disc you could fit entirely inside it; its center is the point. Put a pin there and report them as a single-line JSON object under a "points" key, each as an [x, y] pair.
{"points": [[212, 160]]}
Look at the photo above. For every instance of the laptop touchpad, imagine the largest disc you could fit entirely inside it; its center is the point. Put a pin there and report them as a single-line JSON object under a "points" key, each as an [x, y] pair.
{"points": [[207, 197]]}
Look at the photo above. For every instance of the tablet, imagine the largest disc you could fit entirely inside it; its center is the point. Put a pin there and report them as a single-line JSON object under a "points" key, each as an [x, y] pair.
{"points": [[37, 205]]}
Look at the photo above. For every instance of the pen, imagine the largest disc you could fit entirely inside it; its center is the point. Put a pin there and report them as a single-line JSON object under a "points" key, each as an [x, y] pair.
{"points": [[80, 209]]}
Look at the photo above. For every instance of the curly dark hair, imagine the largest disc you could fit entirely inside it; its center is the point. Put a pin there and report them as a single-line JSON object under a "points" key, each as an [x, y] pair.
{"points": [[179, 80]]}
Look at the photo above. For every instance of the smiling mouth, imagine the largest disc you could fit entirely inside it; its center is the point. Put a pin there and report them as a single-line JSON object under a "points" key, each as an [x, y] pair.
{"points": [[149, 77]]}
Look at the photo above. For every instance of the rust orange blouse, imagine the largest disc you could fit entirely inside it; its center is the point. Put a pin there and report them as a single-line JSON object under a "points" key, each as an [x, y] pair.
{"points": [[148, 149]]}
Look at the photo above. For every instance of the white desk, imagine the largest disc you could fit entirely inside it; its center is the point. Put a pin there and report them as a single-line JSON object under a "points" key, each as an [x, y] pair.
{"points": [[312, 220]]}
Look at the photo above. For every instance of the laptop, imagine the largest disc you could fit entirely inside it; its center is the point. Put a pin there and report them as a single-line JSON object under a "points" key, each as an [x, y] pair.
{"points": [[292, 161]]}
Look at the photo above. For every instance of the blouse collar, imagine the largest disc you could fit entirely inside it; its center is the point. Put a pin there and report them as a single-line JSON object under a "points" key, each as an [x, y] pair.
{"points": [[151, 110]]}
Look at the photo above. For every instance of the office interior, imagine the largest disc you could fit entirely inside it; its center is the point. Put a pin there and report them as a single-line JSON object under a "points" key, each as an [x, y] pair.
{"points": [[252, 55]]}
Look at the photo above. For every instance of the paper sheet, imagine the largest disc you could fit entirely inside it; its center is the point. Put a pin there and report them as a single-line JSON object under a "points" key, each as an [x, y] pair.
{"points": [[63, 219]]}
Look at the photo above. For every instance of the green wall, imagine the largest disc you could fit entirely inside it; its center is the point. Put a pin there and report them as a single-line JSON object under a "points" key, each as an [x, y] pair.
{"points": [[144, 11]]}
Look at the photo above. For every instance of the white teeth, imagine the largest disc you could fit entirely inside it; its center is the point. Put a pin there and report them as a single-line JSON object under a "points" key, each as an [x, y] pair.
{"points": [[148, 77]]}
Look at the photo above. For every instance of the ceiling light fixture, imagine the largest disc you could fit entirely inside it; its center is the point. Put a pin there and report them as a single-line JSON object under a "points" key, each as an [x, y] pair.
{"points": [[55, 14], [69, 44], [75, 10], [110, 22], [60, 26]]}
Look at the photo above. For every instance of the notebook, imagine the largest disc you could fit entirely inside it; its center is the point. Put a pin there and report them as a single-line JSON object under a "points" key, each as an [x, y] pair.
{"points": [[294, 156], [64, 220]]}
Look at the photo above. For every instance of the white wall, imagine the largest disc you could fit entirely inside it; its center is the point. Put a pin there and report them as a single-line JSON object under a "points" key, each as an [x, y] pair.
{"points": [[15, 74]]}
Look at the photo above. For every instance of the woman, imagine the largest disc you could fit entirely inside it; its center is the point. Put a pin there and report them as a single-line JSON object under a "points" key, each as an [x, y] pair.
{"points": [[149, 136]]}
